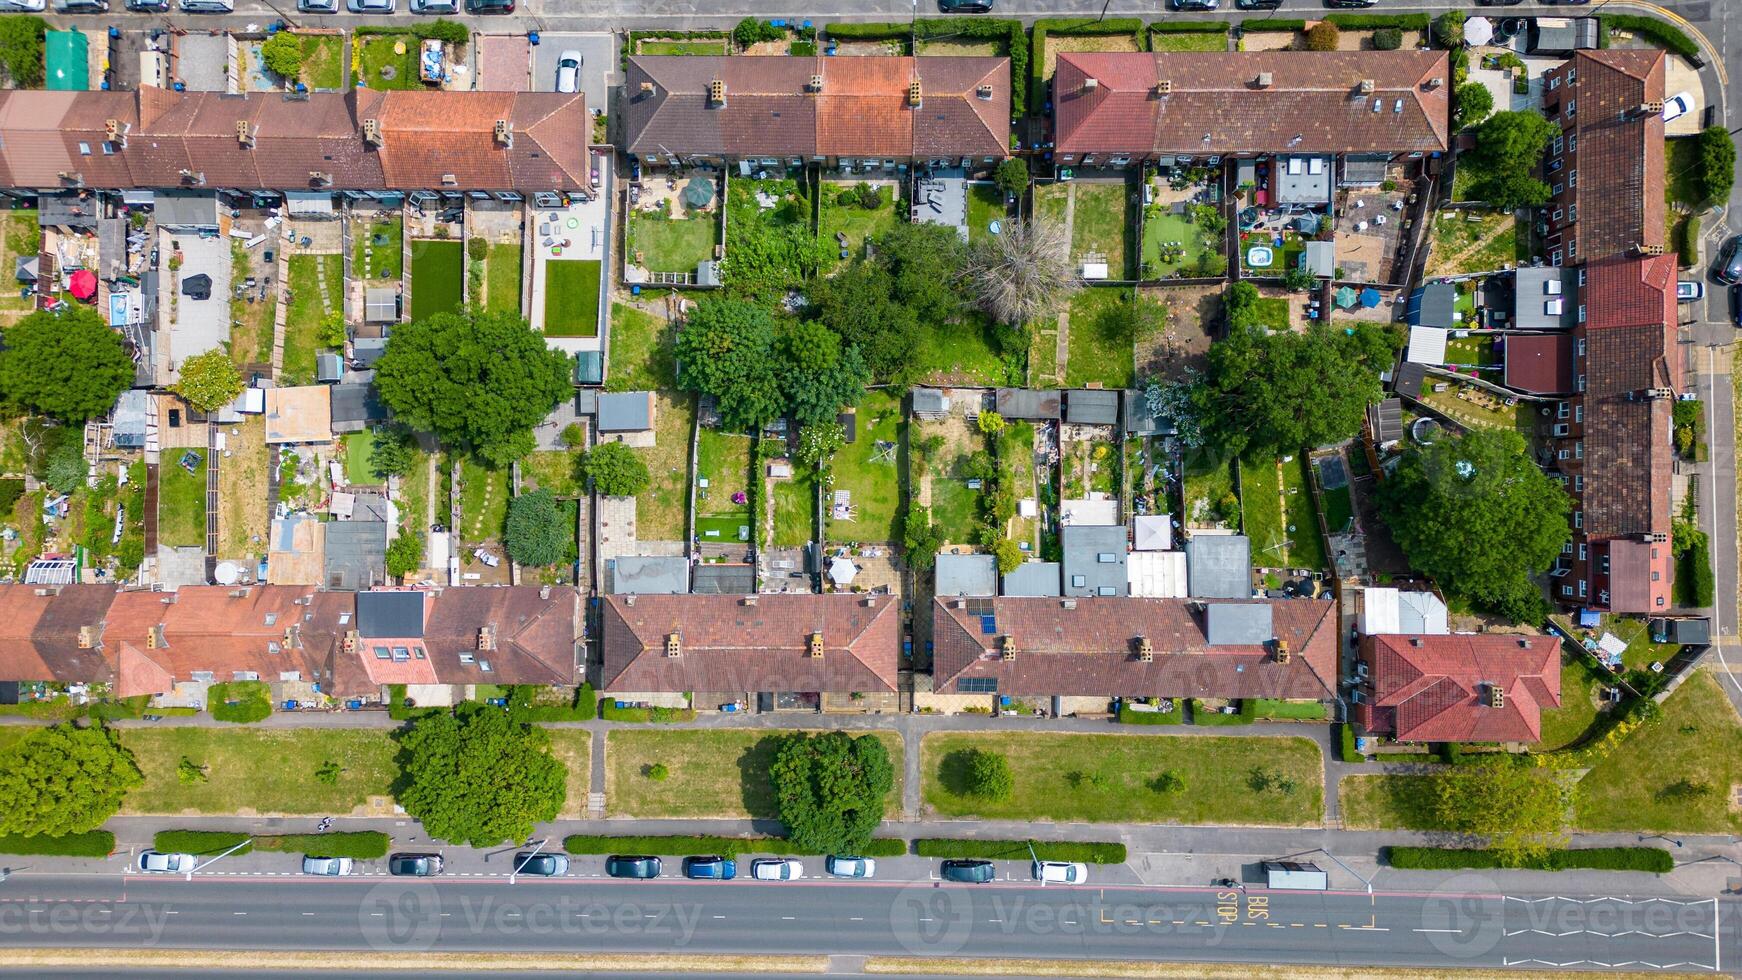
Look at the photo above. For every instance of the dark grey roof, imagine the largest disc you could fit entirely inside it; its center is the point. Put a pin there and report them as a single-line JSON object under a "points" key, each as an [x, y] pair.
{"points": [[1028, 404], [1238, 623], [367, 350], [1545, 298], [1094, 560], [1034, 578], [1432, 305], [1090, 406], [928, 400], [723, 579], [1138, 421], [1687, 632], [1365, 168], [356, 555], [1387, 419], [1409, 379], [1219, 566], [648, 575], [68, 210], [329, 368], [625, 411], [176, 210], [356, 403], [1555, 34], [967, 575], [389, 615]]}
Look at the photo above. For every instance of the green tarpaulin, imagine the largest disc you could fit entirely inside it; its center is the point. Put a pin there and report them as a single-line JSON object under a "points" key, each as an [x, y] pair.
{"points": [[67, 61]]}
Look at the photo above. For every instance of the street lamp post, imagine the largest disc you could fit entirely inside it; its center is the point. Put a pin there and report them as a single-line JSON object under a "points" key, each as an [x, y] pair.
{"points": [[245, 842], [529, 856]]}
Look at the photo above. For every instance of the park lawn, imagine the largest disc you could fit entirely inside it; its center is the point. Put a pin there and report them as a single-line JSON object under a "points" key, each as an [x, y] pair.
{"points": [[302, 321], [795, 507], [1305, 546], [640, 350], [358, 445], [1101, 344], [323, 61], [1272, 312], [963, 351], [438, 277], [1386, 803], [253, 771], [1107, 778], [553, 470], [659, 511], [857, 223], [571, 298], [573, 747], [1098, 225], [1676, 774], [181, 500], [378, 249], [672, 244], [985, 205], [502, 276], [1565, 725], [483, 502], [378, 53], [692, 47], [1261, 511], [721, 773], [874, 479]]}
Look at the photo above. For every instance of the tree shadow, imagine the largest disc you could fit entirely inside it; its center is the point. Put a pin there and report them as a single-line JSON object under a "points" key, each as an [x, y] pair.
{"points": [[955, 772]]}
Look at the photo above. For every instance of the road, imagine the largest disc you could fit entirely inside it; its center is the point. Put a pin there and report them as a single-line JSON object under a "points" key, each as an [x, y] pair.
{"points": [[1464, 922]]}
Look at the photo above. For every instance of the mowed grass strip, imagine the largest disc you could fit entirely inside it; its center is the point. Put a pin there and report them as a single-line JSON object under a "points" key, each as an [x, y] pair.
{"points": [[1109, 778], [258, 771], [574, 747], [710, 773]]}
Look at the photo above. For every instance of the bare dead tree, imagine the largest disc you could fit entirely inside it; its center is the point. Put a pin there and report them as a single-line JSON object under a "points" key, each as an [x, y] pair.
{"points": [[1024, 274]]}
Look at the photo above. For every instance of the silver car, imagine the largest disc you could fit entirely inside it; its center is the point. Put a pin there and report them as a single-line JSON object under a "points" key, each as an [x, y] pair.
{"points": [[435, 6], [327, 867], [157, 862], [317, 6], [568, 72], [372, 6]]}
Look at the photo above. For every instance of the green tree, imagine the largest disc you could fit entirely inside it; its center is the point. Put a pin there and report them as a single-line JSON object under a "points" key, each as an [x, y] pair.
{"points": [[727, 350], [858, 303], [990, 423], [1508, 147], [21, 49], [1323, 36], [475, 777], [1517, 809], [70, 365], [1009, 555], [818, 443], [188, 772], [538, 533], [829, 788], [393, 452], [64, 780], [1474, 102], [1717, 165], [480, 380], [1478, 515], [920, 536], [283, 54], [331, 330], [818, 372], [989, 775], [65, 469], [1449, 29], [1284, 391], [1011, 176], [615, 470], [1240, 306], [477, 248], [405, 553], [208, 381]]}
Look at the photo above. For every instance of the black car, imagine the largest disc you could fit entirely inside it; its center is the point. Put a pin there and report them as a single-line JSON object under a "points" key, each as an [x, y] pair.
{"points": [[1351, 3], [972, 872], [1730, 261], [1736, 305], [541, 865], [1497, 3], [197, 287], [965, 6], [1193, 4], [489, 6], [415, 865], [632, 866], [1257, 4]]}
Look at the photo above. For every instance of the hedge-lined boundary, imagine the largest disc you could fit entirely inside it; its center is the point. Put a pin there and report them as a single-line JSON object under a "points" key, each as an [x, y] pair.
{"points": [[609, 711], [363, 845], [1210, 717], [728, 846], [1129, 716], [1088, 852], [1653, 859], [91, 844], [1189, 27], [1273, 25], [1662, 32], [1369, 22], [1071, 27], [440, 29]]}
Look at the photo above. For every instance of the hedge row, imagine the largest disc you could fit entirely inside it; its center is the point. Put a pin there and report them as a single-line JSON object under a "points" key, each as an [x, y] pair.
{"points": [[1273, 25], [1661, 32], [1368, 22], [609, 711], [583, 706], [1189, 27], [1653, 859], [1088, 852], [361, 845], [91, 844], [728, 846], [441, 29], [1128, 716], [1247, 713], [1346, 750]]}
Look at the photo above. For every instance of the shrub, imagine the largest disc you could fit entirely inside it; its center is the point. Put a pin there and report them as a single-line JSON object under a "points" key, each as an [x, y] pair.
{"points": [[90, 844], [1449, 29], [573, 436], [1273, 25], [989, 775], [477, 248], [1653, 859], [1168, 782], [1388, 39], [1088, 852], [1128, 716], [609, 711], [615, 470], [1346, 750], [1372, 22], [1717, 165], [405, 553], [282, 53], [538, 531], [658, 772], [1654, 30], [1687, 244], [240, 702], [187, 772], [1323, 36], [728, 846], [750, 30], [328, 772], [445, 31]]}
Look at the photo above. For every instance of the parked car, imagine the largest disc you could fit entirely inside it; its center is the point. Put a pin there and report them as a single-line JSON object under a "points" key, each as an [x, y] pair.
{"points": [[632, 866], [850, 867], [710, 867], [317, 6], [82, 6], [207, 6], [1067, 872], [1677, 106], [541, 864], [1193, 4], [1736, 305], [148, 6], [965, 6], [568, 71], [23, 6], [1730, 261], [776, 869], [328, 867], [1351, 3], [435, 6], [1689, 290], [1257, 4], [160, 862], [489, 6], [371, 6], [410, 865], [969, 870]]}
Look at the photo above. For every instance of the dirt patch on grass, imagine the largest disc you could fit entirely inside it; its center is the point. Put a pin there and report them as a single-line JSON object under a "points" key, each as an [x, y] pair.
{"points": [[1192, 313], [242, 480], [1109, 42]]}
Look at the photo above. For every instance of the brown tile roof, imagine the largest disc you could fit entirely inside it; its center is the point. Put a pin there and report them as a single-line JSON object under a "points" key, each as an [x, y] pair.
{"points": [[1620, 151], [861, 111], [725, 645], [1312, 104], [1436, 688], [39, 634], [1090, 649], [222, 630], [427, 135], [536, 632], [1541, 364]]}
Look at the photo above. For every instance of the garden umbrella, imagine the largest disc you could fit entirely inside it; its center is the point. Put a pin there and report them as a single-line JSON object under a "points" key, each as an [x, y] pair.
{"points": [[698, 192], [83, 283], [1370, 298], [842, 571], [1478, 31], [1345, 297]]}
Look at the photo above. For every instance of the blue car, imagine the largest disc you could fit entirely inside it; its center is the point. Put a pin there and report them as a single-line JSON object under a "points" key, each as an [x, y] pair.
{"points": [[710, 867]]}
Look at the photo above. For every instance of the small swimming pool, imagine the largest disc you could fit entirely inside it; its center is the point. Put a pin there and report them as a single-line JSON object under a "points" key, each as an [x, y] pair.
{"points": [[1260, 255]]}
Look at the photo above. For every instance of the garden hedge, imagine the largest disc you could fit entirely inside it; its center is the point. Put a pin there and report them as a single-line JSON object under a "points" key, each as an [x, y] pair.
{"points": [[609, 711], [1088, 852], [728, 846], [1346, 750], [1273, 25], [361, 845], [1373, 22], [91, 844], [441, 29], [583, 706], [1247, 713], [1189, 27], [1127, 716], [1661, 32], [1653, 859]]}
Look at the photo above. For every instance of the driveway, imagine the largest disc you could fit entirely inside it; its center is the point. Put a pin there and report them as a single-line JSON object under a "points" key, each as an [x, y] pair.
{"points": [[598, 56]]}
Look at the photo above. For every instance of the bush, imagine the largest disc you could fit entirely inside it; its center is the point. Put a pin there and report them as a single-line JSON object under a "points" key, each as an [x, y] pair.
{"points": [[240, 702], [750, 31], [609, 711], [1128, 716], [1170, 781], [658, 772], [282, 53], [1388, 39], [1687, 244], [1653, 859], [90, 844], [1657, 31], [1273, 25], [989, 775], [1323, 36], [1346, 750], [1694, 577], [538, 531], [477, 248], [21, 50], [728, 846], [199, 842], [1449, 29], [1717, 173], [1245, 715], [1372, 22], [1088, 852]]}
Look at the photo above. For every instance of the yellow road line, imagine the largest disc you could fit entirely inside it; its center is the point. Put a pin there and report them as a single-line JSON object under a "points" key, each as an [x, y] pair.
{"points": [[1686, 25]]}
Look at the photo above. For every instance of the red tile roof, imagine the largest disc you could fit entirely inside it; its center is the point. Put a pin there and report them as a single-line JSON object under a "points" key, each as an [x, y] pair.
{"points": [[726, 645], [39, 634], [861, 110], [1090, 649], [266, 630], [1620, 151], [1541, 364], [1437, 688], [1312, 102]]}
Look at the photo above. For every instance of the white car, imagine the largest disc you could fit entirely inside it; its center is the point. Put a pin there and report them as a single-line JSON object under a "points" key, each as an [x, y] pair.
{"points": [[568, 72], [776, 869], [207, 6], [327, 867], [1689, 290], [372, 6], [850, 867], [1678, 106], [159, 862], [23, 6], [1065, 872]]}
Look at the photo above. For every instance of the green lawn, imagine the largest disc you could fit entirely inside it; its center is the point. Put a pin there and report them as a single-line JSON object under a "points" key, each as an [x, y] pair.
{"points": [[660, 510], [795, 508], [856, 222], [874, 482], [1455, 238], [985, 205], [414, 494], [723, 460], [323, 61], [641, 351], [483, 502], [258, 771], [438, 277], [377, 249], [181, 500], [357, 448], [1098, 225], [502, 277], [303, 320], [571, 298], [1261, 511], [1565, 725], [1100, 339], [1386, 803], [1281, 259], [381, 60], [1640, 652], [553, 470], [963, 351], [1161, 229], [953, 505], [691, 47], [672, 244], [1477, 351], [1305, 546], [1676, 774], [1682, 168], [720, 773], [1016, 465], [1339, 509], [1188, 41], [1110, 778], [1207, 482], [1272, 312]]}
